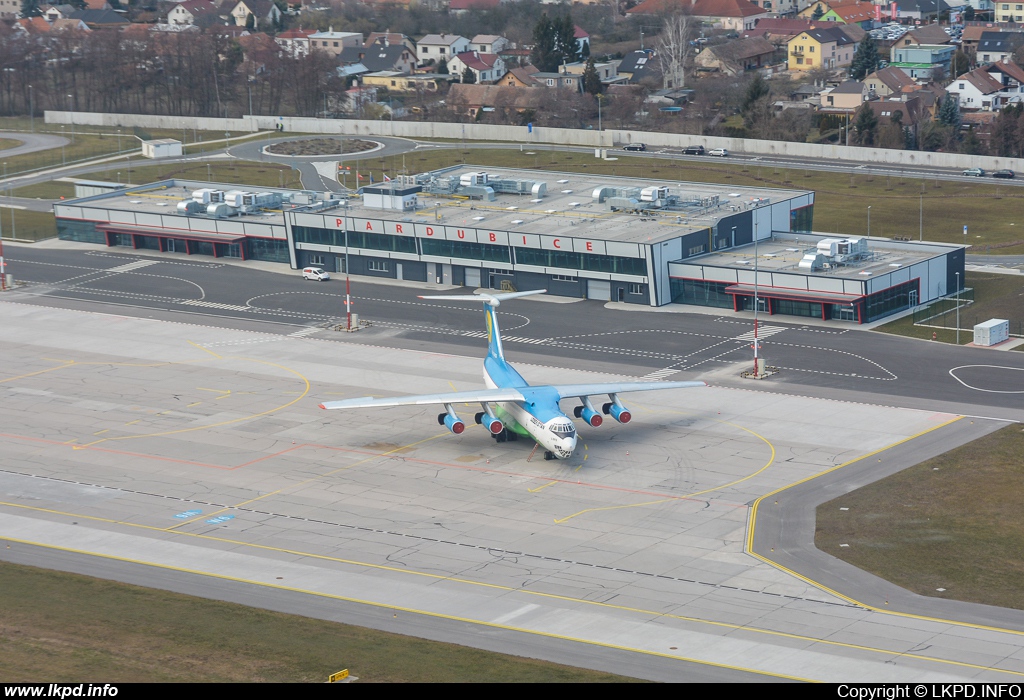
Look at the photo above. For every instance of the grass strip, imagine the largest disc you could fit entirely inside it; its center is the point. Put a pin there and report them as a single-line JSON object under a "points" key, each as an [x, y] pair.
{"points": [[25, 225], [86, 629], [949, 527]]}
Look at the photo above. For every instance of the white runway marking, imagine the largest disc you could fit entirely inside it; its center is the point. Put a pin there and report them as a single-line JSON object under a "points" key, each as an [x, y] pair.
{"points": [[132, 266], [762, 332], [952, 373], [214, 305], [303, 332]]}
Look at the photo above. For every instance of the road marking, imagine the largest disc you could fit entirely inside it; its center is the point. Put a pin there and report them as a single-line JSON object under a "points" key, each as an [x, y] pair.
{"points": [[952, 373], [762, 332], [132, 266], [214, 305], [661, 373], [303, 332]]}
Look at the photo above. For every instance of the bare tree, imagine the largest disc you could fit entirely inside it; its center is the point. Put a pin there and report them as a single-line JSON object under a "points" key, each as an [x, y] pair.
{"points": [[673, 48]]}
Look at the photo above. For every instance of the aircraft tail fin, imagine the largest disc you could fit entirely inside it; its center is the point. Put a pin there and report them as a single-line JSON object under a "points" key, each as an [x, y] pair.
{"points": [[491, 302]]}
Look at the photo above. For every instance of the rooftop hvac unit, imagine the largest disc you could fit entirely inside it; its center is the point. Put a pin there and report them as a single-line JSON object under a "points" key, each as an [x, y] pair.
{"points": [[238, 199], [208, 195], [471, 179], [268, 199], [478, 192], [190, 207], [653, 194], [812, 261], [218, 210]]}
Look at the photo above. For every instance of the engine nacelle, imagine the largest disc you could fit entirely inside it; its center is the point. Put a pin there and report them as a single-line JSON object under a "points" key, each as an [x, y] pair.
{"points": [[588, 413], [489, 421], [453, 423], [620, 413]]}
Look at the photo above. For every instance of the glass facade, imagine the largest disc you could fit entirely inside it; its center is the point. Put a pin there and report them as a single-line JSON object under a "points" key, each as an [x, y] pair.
{"points": [[581, 261], [700, 293], [889, 301], [81, 231], [463, 249], [801, 220], [148, 242], [356, 239], [269, 249], [790, 307]]}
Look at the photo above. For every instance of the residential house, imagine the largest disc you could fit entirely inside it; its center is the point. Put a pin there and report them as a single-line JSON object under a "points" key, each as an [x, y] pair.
{"points": [[736, 57], [70, 25], [100, 19], [403, 82], [779, 30], [566, 81], [582, 39], [931, 34], [820, 48], [887, 81], [848, 96], [735, 15], [489, 43], [185, 14], [265, 13], [473, 99], [972, 35], [485, 67], [804, 93], [434, 47], [515, 57], [390, 38], [606, 71], [998, 46], [97, 5], [977, 90], [860, 13], [520, 77], [1009, 12], [460, 7], [335, 42], [379, 57], [32, 26], [51, 13], [908, 113], [982, 124], [637, 66], [295, 42], [922, 61], [1009, 74], [923, 10]]}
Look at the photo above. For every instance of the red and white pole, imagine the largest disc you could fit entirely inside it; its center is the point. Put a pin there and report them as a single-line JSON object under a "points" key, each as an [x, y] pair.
{"points": [[348, 301], [3, 267]]}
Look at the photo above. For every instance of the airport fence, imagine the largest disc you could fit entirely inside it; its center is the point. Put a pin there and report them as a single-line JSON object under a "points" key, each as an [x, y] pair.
{"points": [[935, 310]]}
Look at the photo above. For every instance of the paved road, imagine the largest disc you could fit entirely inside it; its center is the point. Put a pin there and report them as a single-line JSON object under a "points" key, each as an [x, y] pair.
{"points": [[30, 143], [835, 360]]}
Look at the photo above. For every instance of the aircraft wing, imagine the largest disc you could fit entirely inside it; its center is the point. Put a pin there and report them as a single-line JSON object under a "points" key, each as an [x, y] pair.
{"points": [[481, 396], [581, 390]]}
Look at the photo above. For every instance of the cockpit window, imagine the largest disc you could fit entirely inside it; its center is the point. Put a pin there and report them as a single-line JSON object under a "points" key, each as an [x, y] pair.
{"points": [[565, 430]]}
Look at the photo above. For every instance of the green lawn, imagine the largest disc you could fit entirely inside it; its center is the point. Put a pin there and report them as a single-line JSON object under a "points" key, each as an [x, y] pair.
{"points": [[82, 629], [27, 225], [9, 143], [995, 296], [227, 171], [952, 522], [46, 190]]}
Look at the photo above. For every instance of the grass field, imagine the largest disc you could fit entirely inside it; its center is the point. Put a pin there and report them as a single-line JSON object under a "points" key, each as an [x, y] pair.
{"points": [[995, 296], [9, 143], [991, 211], [84, 629], [27, 225], [952, 522], [46, 190], [229, 171]]}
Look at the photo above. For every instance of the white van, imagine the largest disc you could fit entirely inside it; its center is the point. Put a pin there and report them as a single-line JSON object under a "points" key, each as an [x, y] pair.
{"points": [[316, 274]]}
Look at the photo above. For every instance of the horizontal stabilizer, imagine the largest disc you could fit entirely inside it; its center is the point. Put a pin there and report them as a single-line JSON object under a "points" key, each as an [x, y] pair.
{"points": [[494, 299]]}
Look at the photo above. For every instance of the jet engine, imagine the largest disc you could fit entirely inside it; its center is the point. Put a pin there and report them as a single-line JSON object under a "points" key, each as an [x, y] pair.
{"points": [[616, 410], [489, 421], [588, 413], [451, 421]]}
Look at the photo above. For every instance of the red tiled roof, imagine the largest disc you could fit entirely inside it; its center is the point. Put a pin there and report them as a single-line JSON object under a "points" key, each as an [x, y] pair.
{"points": [[579, 33], [477, 61], [473, 4]]}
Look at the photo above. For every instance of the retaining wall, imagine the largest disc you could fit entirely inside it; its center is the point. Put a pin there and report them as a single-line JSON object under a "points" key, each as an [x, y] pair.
{"points": [[539, 135]]}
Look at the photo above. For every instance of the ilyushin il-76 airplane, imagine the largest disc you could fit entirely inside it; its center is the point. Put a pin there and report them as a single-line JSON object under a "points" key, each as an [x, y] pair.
{"points": [[511, 407]]}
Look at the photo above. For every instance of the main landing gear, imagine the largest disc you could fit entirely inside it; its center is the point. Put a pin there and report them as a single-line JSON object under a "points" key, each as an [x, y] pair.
{"points": [[505, 435]]}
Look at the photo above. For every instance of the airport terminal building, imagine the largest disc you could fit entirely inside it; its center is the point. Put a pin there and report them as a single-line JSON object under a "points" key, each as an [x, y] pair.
{"points": [[607, 238]]}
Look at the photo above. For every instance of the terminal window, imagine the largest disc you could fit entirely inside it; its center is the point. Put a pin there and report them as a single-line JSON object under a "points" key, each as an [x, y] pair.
{"points": [[377, 266]]}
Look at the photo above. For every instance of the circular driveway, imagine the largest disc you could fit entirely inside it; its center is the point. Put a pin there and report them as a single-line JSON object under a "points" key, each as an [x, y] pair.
{"points": [[30, 143]]}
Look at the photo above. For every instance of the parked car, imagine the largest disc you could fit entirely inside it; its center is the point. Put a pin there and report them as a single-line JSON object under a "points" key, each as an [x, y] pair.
{"points": [[1007, 174], [718, 152], [694, 150], [317, 274], [635, 147], [974, 172]]}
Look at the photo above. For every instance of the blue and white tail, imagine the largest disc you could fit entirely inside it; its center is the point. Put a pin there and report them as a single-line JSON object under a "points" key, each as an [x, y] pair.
{"points": [[491, 303]]}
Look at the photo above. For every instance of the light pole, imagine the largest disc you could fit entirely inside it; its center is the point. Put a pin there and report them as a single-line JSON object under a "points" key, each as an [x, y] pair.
{"points": [[920, 235], [869, 221], [31, 110], [957, 308], [62, 160], [118, 139], [600, 97], [756, 300], [70, 102]]}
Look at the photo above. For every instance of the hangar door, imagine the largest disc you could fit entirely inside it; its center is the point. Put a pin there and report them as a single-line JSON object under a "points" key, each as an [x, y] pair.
{"points": [[601, 290]]}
